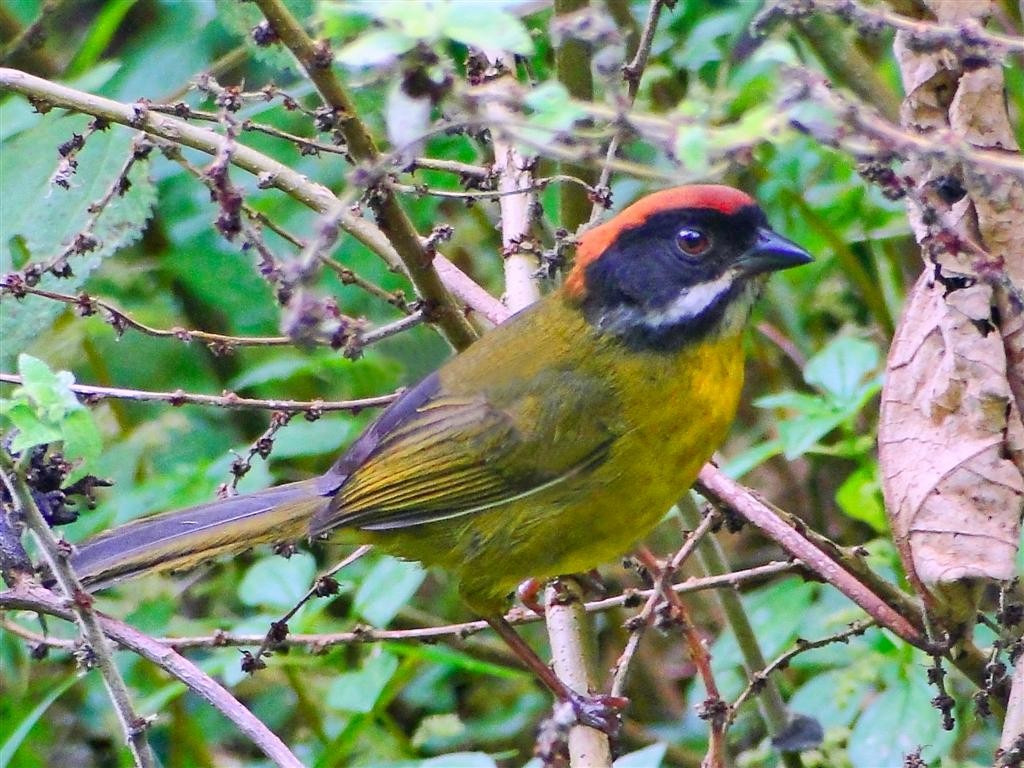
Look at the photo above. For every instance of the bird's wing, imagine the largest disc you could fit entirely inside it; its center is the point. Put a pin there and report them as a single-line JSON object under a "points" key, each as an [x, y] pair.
{"points": [[438, 455]]}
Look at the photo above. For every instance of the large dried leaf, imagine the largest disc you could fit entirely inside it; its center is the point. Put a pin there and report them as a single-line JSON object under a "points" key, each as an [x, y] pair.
{"points": [[949, 425], [951, 441]]}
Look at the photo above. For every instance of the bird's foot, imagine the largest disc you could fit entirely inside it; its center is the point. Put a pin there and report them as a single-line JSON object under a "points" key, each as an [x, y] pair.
{"points": [[600, 711], [528, 592]]}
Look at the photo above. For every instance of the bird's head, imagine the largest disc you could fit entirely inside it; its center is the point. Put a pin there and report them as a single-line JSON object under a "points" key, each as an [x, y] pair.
{"points": [[677, 265]]}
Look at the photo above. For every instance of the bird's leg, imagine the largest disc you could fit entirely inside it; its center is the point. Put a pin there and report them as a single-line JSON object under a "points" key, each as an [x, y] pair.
{"points": [[527, 592], [600, 711]]}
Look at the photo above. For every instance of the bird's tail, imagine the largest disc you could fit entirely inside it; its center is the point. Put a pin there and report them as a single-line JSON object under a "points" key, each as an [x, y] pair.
{"points": [[187, 537]]}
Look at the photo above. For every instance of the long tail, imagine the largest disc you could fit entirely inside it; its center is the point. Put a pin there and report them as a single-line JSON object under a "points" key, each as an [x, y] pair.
{"points": [[184, 538]]}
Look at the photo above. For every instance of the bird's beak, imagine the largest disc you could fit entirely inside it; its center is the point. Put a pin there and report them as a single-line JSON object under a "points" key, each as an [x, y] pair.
{"points": [[771, 253]]}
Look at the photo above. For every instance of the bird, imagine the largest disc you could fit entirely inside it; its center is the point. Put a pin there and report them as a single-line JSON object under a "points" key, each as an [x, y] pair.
{"points": [[552, 444]]}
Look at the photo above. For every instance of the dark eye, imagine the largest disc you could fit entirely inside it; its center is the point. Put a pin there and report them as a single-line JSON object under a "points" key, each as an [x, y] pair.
{"points": [[693, 242]]}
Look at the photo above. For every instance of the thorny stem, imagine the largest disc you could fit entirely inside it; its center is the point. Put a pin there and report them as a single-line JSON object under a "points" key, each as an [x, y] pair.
{"points": [[99, 652]]}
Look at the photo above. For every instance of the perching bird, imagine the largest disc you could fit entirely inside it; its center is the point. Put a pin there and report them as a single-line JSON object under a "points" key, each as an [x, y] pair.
{"points": [[551, 445]]}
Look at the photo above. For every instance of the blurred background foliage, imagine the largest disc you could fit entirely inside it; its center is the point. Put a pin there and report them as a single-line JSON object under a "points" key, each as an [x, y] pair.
{"points": [[804, 436]]}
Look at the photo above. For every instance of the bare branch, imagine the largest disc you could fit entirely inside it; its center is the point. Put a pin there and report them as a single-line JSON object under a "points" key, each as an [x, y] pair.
{"points": [[133, 726], [37, 599], [225, 400]]}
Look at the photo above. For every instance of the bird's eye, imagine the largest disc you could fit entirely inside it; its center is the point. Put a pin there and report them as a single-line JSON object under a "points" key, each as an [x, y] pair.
{"points": [[693, 242]]}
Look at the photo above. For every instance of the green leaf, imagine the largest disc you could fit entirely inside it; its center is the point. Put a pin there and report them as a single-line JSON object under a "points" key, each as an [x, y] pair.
{"points": [[31, 431], [648, 757], [841, 367], [486, 25], [801, 434], [860, 497], [834, 698], [443, 728], [81, 439], [753, 457], [896, 723], [801, 402], [312, 438], [459, 760], [386, 589], [17, 733], [775, 613], [43, 219], [277, 582], [692, 147], [359, 691], [51, 392], [374, 48], [552, 107]]}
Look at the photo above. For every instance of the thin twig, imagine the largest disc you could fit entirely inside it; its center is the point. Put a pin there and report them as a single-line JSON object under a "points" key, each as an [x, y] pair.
{"points": [[316, 60], [720, 489], [32, 598], [757, 680], [323, 585], [517, 616], [712, 561], [225, 400], [87, 305], [639, 623], [632, 73], [100, 655], [713, 708]]}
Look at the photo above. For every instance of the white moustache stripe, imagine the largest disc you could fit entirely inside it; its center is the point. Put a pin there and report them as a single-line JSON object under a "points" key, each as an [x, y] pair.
{"points": [[689, 303]]}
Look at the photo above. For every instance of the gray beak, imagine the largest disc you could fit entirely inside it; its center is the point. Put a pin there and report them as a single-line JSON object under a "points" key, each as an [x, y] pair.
{"points": [[771, 253]]}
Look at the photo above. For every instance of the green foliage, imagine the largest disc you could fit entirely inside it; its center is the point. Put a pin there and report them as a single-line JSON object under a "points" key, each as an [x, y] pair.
{"points": [[40, 220], [44, 410]]}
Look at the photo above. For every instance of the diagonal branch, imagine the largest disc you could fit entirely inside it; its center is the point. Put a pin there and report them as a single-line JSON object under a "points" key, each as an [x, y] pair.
{"points": [[316, 60], [81, 612], [32, 598]]}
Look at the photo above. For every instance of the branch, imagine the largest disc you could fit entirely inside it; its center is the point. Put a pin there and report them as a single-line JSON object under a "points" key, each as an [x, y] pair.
{"points": [[316, 59], [571, 639], [573, 68], [517, 616], [712, 562], [99, 652], [271, 173], [86, 305], [40, 600], [722, 490], [760, 677], [713, 708], [881, 600], [639, 623], [517, 201], [631, 72], [225, 400]]}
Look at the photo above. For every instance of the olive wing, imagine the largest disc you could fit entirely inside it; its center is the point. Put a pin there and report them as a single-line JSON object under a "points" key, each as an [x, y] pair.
{"points": [[443, 456]]}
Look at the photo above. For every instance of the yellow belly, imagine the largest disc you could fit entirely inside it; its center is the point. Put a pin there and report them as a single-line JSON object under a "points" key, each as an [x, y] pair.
{"points": [[676, 409]]}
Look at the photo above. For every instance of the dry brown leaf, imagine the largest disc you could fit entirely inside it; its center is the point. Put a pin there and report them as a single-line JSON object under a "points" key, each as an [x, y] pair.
{"points": [[948, 420], [951, 439]]}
